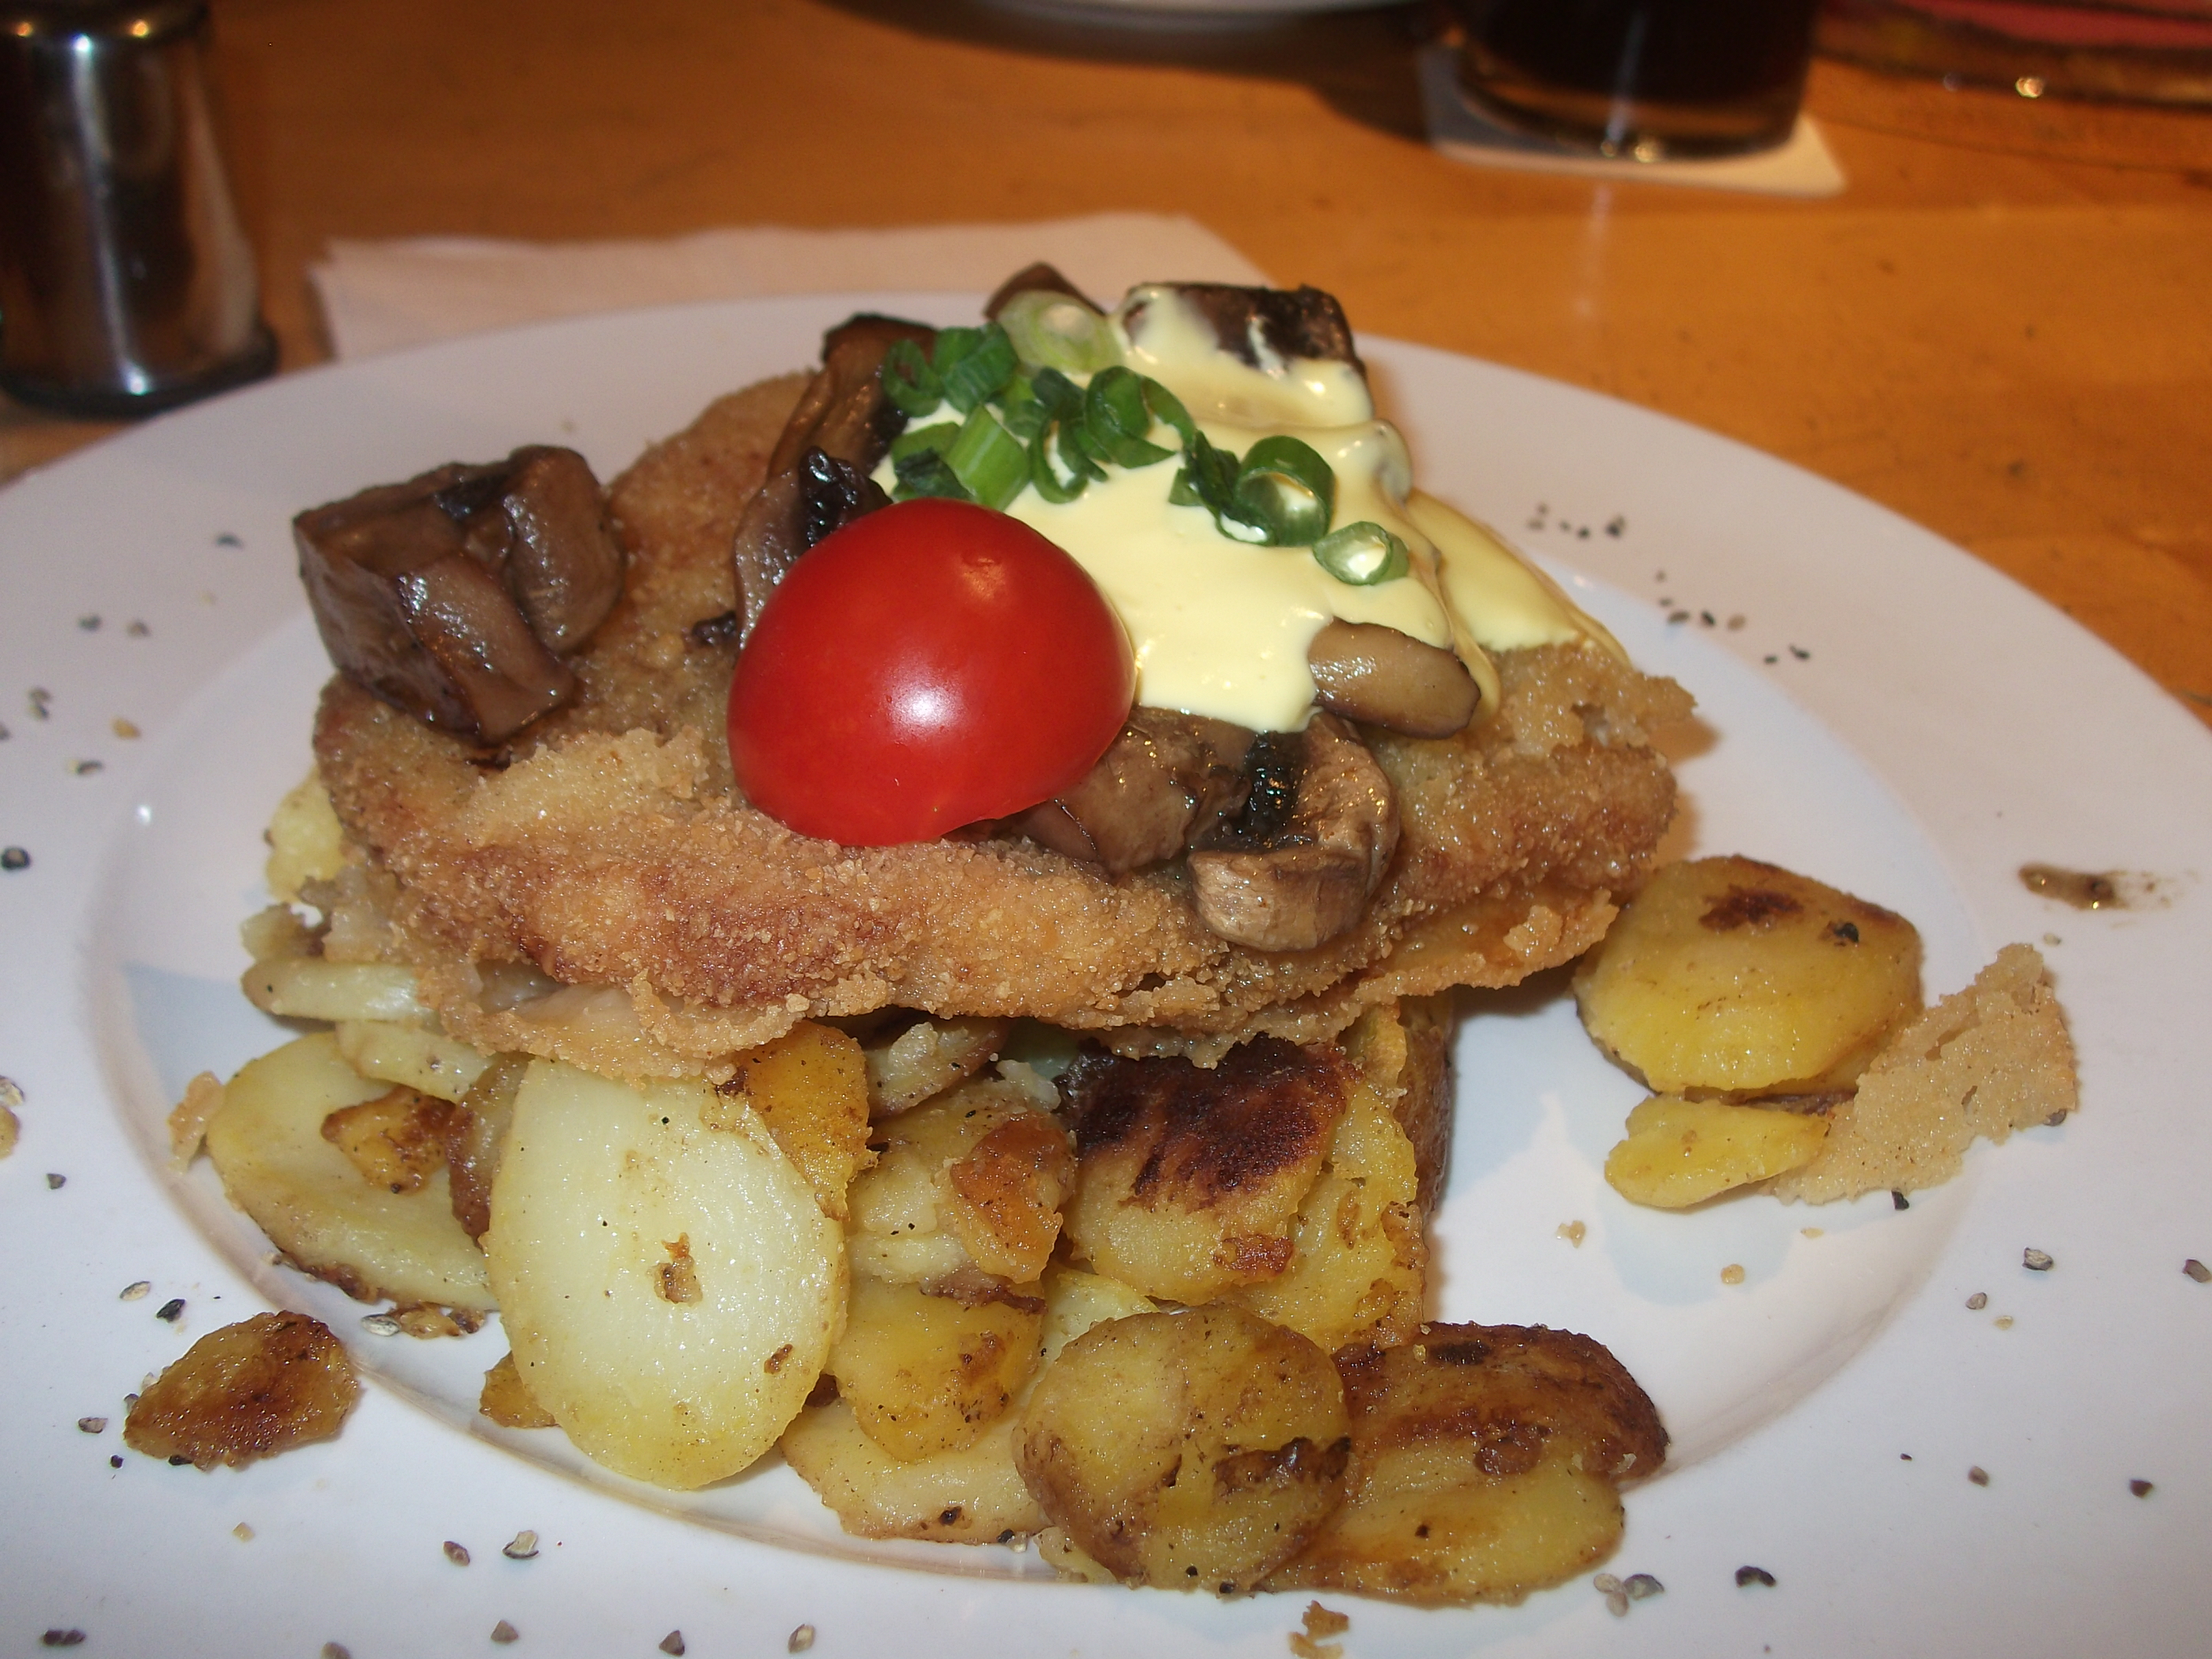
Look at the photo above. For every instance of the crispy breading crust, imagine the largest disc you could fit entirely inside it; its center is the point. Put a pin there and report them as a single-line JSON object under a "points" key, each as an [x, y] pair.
{"points": [[610, 847]]}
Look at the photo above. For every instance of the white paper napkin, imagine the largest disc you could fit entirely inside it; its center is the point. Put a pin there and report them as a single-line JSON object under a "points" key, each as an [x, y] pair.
{"points": [[378, 296]]}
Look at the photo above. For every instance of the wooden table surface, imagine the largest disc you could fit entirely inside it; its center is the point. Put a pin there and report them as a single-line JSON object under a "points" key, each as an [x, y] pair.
{"points": [[2002, 328]]}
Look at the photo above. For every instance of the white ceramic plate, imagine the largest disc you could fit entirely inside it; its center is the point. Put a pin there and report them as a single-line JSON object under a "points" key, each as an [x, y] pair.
{"points": [[1888, 715]]}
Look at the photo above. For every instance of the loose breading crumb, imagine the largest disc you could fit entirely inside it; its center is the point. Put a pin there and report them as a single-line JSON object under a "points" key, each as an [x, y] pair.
{"points": [[1322, 1621], [188, 1123], [1993, 1058], [11, 1130]]}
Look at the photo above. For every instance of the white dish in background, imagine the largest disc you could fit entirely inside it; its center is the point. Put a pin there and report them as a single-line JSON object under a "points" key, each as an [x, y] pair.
{"points": [[1921, 729]]}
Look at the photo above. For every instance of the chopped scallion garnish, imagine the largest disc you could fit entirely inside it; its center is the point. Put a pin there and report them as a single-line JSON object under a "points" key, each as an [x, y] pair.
{"points": [[980, 367], [989, 460], [1362, 553], [908, 381], [1057, 331], [1286, 489]]}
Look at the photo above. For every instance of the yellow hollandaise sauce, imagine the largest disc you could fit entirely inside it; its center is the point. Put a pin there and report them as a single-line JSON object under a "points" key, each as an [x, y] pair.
{"points": [[1221, 627]]}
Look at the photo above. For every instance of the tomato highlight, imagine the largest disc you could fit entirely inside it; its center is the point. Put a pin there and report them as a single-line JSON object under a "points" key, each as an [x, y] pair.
{"points": [[932, 665]]}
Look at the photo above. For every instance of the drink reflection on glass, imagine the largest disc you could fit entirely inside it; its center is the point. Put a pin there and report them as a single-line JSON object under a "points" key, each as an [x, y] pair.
{"points": [[1648, 79]]}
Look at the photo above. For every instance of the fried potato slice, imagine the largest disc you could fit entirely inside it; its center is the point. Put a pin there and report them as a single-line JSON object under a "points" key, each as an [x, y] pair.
{"points": [[1359, 1264], [1191, 1450], [248, 1391], [311, 988], [267, 1144], [306, 840], [396, 1140], [971, 1496], [475, 1132], [422, 1060], [811, 1088], [925, 1374], [1681, 1152], [1485, 1464], [1727, 976], [1189, 1180], [679, 1375], [929, 1057], [972, 1182]]}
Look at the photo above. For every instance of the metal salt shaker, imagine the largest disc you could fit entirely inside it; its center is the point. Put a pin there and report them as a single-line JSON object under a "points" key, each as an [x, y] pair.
{"points": [[126, 284]]}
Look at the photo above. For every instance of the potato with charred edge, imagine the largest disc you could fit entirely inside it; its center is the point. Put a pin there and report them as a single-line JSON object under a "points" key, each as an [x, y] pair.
{"points": [[972, 1182], [1729, 977], [973, 1495], [1485, 1462], [1190, 1181], [926, 1374], [1191, 1450], [248, 1391]]}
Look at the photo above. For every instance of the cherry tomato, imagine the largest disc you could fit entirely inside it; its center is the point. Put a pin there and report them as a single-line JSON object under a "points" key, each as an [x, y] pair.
{"points": [[929, 666]]}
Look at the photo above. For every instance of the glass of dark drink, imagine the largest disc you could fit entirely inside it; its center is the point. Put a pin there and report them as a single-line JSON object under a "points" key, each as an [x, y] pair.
{"points": [[1653, 80]]}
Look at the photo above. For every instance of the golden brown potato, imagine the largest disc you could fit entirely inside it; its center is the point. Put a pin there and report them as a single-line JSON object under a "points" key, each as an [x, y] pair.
{"points": [[928, 1057], [669, 1283], [305, 841], [1190, 1181], [474, 1135], [811, 1088], [1403, 1049], [1191, 1450], [248, 1391], [1485, 1463], [971, 1182], [973, 1495], [267, 1144], [1726, 976], [419, 1059], [969, 1494], [1681, 1152], [926, 1374], [1358, 1271], [398, 1140]]}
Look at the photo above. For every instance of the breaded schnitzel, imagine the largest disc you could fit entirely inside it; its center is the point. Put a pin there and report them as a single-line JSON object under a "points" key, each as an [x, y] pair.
{"points": [[608, 847]]}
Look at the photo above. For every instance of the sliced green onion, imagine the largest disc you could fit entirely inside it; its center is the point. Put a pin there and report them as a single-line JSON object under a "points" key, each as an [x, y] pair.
{"points": [[1048, 483], [1362, 553], [1057, 331], [1166, 406], [1021, 411], [939, 437], [908, 381], [926, 472], [1116, 420], [1058, 394], [979, 370], [1285, 489], [1081, 455], [989, 460], [1208, 479]]}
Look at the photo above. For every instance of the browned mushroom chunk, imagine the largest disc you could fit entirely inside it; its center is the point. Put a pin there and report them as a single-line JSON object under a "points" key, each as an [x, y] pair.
{"points": [[564, 565], [449, 596], [843, 418], [1301, 322], [1039, 278], [1168, 781], [1380, 677], [1310, 879]]}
